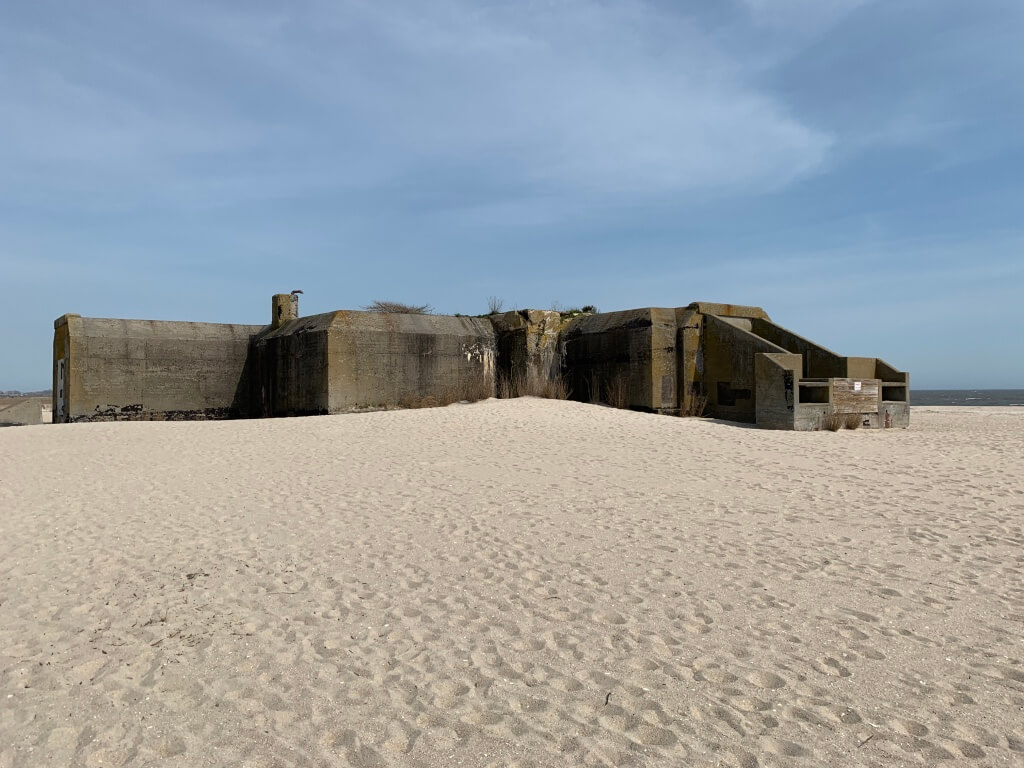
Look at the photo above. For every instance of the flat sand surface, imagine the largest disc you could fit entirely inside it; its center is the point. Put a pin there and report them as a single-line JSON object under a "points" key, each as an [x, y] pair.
{"points": [[520, 582]]}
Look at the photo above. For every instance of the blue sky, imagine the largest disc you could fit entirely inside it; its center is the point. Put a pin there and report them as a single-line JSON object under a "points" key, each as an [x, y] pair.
{"points": [[854, 167]]}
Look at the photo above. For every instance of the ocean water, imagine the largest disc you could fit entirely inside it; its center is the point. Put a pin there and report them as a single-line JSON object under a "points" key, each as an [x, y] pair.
{"points": [[966, 396]]}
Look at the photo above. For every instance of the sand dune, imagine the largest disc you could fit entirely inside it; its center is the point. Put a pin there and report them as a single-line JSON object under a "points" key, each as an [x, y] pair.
{"points": [[508, 583]]}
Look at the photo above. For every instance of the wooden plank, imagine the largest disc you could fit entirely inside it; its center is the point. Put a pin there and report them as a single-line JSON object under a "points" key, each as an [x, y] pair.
{"points": [[855, 395]]}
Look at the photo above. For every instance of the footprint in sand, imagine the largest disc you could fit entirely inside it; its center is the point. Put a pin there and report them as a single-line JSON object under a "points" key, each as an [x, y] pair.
{"points": [[783, 747], [763, 679], [826, 665], [609, 617]]}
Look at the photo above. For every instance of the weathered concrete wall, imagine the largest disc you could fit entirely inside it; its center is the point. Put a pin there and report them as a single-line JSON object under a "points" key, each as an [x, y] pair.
{"points": [[664, 362], [787, 401], [818, 361], [689, 357], [886, 372], [893, 415], [110, 370], [624, 358], [818, 399], [288, 373], [377, 360], [690, 345], [860, 367], [284, 307], [528, 346], [894, 410], [776, 376], [24, 411], [729, 378]]}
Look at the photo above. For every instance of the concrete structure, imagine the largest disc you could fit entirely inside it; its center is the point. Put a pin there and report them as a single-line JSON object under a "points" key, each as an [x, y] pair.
{"points": [[628, 359], [350, 361], [529, 347], [732, 358], [105, 370], [753, 370], [23, 411]]}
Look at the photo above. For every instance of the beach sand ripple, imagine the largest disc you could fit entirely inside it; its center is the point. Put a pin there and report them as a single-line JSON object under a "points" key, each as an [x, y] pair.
{"points": [[512, 583]]}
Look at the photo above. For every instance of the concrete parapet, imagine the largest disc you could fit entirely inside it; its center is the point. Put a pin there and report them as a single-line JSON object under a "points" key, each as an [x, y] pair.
{"points": [[727, 310]]}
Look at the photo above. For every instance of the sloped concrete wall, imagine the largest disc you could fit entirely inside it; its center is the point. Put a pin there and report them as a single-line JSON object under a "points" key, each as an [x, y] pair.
{"points": [[116, 370], [729, 375], [376, 360], [690, 322], [818, 361]]}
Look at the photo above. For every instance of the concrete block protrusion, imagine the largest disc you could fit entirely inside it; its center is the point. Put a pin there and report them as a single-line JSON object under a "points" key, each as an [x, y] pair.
{"points": [[284, 307]]}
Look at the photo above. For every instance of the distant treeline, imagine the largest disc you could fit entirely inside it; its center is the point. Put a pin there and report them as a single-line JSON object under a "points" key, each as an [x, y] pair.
{"points": [[16, 393]]}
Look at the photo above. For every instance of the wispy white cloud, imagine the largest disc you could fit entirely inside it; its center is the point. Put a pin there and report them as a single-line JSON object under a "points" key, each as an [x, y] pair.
{"points": [[567, 98]]}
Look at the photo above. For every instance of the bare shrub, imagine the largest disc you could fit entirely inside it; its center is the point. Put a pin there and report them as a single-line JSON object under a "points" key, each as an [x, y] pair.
{"points": [[617, 391], [460, 392], [494, 305], [696, 407], [520, 385], [417, 401], [553, 388], [472, 391], [852, 421], [398, 308], [833, 422], [612, 391], [508, 386]]}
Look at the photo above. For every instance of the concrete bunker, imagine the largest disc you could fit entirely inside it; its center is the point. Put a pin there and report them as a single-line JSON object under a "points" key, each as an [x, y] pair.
{"points": [[731, 358], [350, 361]]}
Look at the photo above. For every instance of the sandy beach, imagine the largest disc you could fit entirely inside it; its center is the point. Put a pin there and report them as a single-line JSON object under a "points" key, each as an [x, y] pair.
{"points": [[512, 583]]}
